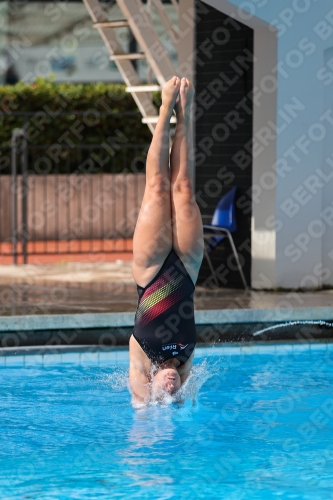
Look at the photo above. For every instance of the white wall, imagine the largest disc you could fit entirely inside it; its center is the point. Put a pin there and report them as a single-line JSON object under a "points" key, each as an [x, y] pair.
{"points": [[327, 166], [304, 236]]}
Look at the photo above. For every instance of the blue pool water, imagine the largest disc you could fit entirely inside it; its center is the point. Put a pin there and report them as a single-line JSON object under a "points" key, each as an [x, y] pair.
{"points": [[261, 428]]}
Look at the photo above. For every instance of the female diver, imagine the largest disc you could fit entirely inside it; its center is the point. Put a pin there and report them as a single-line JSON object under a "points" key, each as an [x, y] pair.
{"points": [[167, 254]]}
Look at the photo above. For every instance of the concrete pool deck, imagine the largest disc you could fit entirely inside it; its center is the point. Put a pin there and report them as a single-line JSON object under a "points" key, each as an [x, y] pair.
{"points": [[103, 295]]}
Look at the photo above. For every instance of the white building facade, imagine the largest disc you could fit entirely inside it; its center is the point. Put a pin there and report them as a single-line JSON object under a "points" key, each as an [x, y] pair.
{"points": [[292, 145]]}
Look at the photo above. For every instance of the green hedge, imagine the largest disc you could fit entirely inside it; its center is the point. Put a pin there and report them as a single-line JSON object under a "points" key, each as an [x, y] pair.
{"points": [[45, 96], [67, 115]]}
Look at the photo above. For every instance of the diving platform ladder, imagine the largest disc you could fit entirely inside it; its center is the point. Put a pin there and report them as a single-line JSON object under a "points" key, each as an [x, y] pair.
{"points": [[139, 22]]}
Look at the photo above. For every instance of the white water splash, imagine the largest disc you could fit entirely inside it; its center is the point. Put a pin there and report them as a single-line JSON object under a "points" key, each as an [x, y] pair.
{"points": [[118, 379], [188, 393]]}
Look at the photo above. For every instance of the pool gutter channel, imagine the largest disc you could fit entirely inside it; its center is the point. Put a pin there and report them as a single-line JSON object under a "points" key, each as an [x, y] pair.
{"points": [[48, 350], [202, 317], [113, 330]]}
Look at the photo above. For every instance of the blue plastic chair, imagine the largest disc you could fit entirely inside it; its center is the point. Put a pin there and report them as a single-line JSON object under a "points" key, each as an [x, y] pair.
{"points": [[222, 225]]}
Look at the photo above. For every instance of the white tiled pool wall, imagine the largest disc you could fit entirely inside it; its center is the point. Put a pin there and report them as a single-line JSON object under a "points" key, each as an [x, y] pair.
{"points": [[89, 357], [119, 357]]}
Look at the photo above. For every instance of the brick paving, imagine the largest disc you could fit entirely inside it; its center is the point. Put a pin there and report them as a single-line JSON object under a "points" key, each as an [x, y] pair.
{"points": [[83, 287]]}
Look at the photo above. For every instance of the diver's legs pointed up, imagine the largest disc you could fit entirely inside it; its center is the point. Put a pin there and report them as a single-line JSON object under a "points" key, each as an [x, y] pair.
{"points": [[186, 217], [152, 239], [163, 339]]}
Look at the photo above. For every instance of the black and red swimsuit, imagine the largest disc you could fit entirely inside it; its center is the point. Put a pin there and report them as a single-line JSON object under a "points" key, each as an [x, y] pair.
{"points": [[164, 321]]}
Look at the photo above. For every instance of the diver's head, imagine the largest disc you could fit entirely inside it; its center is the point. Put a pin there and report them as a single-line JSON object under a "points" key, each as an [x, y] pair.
{"points": [[166, 380]]}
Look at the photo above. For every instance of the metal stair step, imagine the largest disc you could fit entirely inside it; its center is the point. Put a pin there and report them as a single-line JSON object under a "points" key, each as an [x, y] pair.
{"points": [[154, 119], [143, 88], [122, 23], [151, 48], [131, 56]]}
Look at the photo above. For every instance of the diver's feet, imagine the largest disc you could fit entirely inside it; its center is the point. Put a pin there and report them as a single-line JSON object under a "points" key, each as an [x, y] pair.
{"points": [[170, 92], [184, 100]]}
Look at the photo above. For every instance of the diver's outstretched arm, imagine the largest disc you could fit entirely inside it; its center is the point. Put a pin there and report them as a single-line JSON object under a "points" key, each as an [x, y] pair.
{"points": [[138, 373], [185, 370]]}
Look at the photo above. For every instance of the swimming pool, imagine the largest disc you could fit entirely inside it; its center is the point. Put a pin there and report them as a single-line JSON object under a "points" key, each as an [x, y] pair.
{"points": [[261, 427]]}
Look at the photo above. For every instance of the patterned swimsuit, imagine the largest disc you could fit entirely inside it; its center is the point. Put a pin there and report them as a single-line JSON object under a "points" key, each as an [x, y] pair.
{"points": [[164, 321]]}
